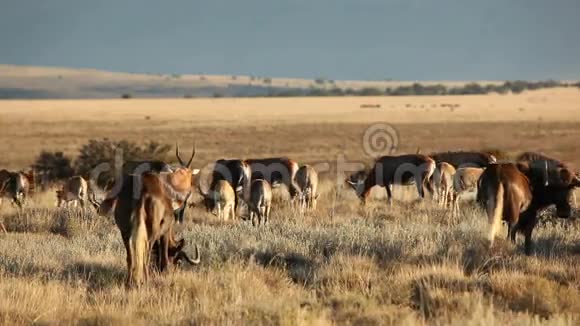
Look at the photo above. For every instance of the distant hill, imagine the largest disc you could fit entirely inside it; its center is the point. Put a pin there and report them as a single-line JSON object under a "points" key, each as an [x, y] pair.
{"points": [[31, 82]]}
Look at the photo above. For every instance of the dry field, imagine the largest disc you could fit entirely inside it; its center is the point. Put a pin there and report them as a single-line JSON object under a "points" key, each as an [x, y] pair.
{"points": [[407, 264]]}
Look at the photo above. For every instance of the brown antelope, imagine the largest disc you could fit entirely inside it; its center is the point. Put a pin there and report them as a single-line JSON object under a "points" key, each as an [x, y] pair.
{"points": [[443, 183], [259, 201], [552, 163], [221, 198], [515, 193], [16, 186], [74, 190], [307, 180], [388, 170], [464, 181], [145, 211]]}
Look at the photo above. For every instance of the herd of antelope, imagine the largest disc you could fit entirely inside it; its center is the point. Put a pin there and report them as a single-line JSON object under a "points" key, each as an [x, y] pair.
{"points": [[146, 205]]}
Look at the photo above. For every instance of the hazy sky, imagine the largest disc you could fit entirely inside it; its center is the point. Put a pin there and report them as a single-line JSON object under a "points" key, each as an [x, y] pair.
{"points": [[340, 39]]}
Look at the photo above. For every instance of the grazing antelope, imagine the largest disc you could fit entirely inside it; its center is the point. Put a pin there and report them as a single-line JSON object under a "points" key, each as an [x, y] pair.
{"points": [[259, 201], [145, 210], [388, 170], [15, 185], [464, 181], [221, 198], [515, 193], [74, 190], [236, 173], [443, 183], [464, 159], [552, 163], [307, 180]]}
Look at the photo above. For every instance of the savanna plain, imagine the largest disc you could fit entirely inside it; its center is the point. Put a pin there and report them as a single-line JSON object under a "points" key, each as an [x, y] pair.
{"points": [[405, 264]]}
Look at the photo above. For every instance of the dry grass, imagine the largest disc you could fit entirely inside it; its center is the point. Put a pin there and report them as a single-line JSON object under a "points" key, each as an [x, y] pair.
{"points": [[407, 264], [411, 263]]}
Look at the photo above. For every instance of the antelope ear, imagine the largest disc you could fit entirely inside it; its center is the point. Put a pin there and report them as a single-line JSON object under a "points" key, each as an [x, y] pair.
{"points": [[195, 171]]}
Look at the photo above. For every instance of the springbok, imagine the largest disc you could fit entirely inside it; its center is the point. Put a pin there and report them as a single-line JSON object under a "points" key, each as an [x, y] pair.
{"points": [[235, 172], [465, 181], [221, 198], [307, 181], [443, 183], [15, 185], [259, 201], [74, 190]]}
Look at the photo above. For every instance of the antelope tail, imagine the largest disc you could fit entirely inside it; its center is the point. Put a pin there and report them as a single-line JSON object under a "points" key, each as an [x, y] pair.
{"points": [[494, 207], [138, 247]]}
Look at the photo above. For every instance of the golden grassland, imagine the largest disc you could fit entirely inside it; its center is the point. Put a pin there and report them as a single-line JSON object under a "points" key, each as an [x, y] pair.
{"points": [[411, 263]]}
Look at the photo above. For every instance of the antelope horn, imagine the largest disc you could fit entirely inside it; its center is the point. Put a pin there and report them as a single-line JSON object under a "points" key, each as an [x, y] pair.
{"points": [[183, 255], [203, 193], [93, 199], [546, 176], [192, 155], [179, 157], [177, 154]]}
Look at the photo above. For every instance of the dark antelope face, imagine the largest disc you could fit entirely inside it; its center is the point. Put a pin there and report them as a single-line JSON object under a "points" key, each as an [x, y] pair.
{"points": [[357, 181], [560, 185], [177, 254]]}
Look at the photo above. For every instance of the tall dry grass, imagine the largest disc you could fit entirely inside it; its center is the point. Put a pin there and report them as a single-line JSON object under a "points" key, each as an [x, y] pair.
{"points": [[343, 264]]}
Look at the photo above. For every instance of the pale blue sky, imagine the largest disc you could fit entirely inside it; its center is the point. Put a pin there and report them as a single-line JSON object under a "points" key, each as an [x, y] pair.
{"points": [[339, 39]]}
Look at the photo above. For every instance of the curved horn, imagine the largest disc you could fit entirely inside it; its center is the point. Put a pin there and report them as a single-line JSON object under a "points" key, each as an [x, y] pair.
{"points": [[183, 255], [203, 193], [192, 155], [546, 176], [93, 200], [179, 157], [177, 154]]}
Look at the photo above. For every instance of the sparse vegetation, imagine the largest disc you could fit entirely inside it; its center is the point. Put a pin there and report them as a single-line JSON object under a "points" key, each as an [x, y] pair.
{"points": [[98, 151], [407, 264], [53, 166], [410, 263]]}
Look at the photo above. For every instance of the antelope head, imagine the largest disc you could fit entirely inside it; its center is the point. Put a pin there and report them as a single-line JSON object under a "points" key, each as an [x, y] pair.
{"points": [[357, 181]]}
